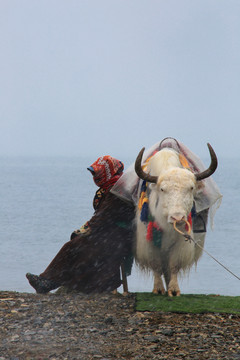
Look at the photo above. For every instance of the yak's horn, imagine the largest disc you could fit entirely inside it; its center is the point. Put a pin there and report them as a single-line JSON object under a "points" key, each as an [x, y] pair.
{"points": [[214, 163], [140, 172]]}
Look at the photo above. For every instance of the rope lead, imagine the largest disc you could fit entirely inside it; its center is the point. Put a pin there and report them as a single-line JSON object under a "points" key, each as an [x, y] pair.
{"points": [[188, 237]]}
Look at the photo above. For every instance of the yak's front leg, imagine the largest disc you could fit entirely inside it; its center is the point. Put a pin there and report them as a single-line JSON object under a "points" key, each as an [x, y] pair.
{"points": [[172, 283], [158, 286], [173, 288]]}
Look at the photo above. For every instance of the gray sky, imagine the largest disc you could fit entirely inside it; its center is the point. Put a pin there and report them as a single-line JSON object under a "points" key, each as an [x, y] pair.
{"points": [[110, 76]]}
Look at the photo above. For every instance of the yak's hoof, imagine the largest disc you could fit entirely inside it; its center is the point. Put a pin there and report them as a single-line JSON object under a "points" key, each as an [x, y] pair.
{"points": [[159, 292], [172, 293]]}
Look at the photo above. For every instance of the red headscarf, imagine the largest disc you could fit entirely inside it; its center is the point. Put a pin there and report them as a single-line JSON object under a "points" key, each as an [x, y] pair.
{"points": [[106, 170]]}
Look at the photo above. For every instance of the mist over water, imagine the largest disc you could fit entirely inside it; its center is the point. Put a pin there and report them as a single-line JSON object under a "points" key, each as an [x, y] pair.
{"points": [[44, 199]]}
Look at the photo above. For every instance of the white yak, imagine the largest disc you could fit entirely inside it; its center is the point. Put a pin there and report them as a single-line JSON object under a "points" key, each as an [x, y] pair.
{"points": [[170, 193]]}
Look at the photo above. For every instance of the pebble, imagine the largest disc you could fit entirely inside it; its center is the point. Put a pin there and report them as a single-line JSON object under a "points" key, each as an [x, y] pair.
{"points": [[167, 332]]}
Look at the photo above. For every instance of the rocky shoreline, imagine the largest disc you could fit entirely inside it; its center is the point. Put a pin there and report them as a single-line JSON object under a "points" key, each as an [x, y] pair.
{"points": [[106, 327]]}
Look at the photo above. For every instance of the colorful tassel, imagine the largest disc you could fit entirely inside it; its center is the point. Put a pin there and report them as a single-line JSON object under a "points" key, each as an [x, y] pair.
{"points": [[144, 212], [190, 222], [149, 235], [184, 161], [154, 233], [157, 237]]}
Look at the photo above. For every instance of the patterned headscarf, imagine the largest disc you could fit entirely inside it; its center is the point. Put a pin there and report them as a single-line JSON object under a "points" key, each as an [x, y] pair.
{"points": [[106, 170]]}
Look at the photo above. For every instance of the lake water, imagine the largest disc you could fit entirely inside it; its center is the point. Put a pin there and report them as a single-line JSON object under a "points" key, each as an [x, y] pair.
{"points": [[44, 199]]}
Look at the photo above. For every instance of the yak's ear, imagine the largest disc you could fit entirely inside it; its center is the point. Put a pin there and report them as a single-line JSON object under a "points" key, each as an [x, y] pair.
{"points": [[199, 186], [152, 186]]}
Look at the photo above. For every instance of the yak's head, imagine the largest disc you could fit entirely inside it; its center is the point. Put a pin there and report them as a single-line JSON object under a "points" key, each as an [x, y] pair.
{"points": [[172, 191]]}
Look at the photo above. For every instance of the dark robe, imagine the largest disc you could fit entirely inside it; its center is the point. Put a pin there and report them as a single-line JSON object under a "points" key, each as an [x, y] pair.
{"points": [[91, 262]]}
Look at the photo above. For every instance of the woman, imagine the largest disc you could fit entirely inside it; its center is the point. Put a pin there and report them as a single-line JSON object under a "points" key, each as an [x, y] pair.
{"points": [[90, 261]]}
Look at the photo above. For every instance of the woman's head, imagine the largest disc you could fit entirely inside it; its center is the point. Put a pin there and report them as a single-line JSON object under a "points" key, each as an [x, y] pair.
{"points": [[106, 170]]}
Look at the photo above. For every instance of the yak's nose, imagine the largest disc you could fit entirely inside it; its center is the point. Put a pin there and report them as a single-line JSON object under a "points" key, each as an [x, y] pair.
{"points": [[176, 217]]}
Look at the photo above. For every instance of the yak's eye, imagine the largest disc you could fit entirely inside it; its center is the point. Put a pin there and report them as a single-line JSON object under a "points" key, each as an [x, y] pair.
{"points": [[162, 190]]}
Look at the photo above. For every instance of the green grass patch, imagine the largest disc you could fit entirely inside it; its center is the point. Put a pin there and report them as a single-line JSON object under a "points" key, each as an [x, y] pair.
{"points": [[196, 304]]}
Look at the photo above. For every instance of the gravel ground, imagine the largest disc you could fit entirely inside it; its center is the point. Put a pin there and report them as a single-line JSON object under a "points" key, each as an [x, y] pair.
{"points": [[105, 327]]}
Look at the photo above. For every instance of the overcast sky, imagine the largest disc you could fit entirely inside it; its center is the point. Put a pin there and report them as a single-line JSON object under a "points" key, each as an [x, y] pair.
{"points": [[110, 76]]}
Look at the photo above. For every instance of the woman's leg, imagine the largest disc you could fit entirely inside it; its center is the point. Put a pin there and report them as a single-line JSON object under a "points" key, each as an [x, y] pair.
{"points": [[65, 265]]}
